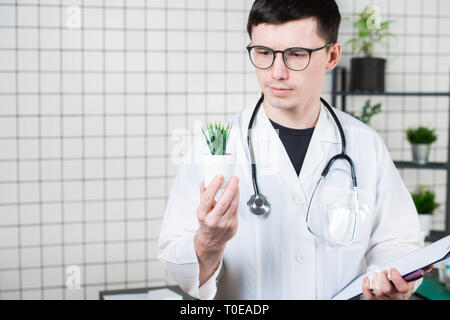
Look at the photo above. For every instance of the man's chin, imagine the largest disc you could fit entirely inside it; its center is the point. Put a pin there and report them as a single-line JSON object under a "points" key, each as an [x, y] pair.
{"points": [[280, 103]]}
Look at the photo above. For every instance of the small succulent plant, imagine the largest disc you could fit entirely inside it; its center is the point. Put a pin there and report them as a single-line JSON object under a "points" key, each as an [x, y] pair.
{"points": [[421, 135], [217, 137], [424, 200]]}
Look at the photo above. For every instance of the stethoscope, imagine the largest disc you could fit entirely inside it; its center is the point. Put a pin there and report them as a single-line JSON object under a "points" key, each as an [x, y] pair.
{"points": [[258, 203]]}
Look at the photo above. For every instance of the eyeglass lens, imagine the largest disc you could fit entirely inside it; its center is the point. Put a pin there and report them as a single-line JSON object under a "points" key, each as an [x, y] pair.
{"points": [[294, 58]]}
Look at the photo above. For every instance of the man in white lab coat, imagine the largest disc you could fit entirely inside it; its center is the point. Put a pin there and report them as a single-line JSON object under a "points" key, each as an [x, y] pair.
{"points": [[210, 242]]}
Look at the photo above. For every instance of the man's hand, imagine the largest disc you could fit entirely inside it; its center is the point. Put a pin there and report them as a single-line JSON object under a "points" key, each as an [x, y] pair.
{"points": [[383, 289], [218, 221]]}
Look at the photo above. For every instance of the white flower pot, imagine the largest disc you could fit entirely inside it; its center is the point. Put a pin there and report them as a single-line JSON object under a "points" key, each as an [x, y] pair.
{"points": [[421, 153], [425, 223], [218, 164]]}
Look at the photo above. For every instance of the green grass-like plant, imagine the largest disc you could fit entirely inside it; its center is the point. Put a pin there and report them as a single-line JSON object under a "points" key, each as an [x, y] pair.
{"points": [[368, 33], [217, 137], [368, 111], [421, 135], [424, 200]]}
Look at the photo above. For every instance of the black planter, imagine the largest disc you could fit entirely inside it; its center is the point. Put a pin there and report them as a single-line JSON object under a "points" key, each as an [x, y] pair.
{"points": [[367, 74]]}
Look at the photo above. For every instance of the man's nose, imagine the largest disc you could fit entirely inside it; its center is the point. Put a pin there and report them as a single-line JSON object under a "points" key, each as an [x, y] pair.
{"points": [[279, 68]]}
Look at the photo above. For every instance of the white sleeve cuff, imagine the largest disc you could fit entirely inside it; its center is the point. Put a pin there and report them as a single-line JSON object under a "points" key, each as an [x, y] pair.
{"points": [[208, 290], [181, 261]]}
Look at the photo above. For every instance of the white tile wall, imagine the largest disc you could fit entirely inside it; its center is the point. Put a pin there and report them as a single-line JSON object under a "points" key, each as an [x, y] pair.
{"points": [[86, 116]]}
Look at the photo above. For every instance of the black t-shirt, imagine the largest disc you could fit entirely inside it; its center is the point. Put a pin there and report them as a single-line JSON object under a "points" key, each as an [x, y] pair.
{"points": [[296, 142]]}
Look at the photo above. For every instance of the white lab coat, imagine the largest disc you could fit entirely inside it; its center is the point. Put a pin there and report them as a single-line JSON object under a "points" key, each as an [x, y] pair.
{"points": [[275, 257]]}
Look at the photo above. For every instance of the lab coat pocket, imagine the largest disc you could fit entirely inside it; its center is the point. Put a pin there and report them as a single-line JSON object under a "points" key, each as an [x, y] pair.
{"points": [[348, 215], [351, 257]]}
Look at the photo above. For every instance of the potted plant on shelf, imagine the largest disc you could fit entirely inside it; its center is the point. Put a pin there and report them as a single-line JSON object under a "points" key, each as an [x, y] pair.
{"points": [[367, 73], [368, 111], [421, 140], [425, 203], [218, 161]]}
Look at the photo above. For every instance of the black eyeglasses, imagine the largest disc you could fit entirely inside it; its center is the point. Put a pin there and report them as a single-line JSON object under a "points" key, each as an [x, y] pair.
{"points": [[295, 58]]}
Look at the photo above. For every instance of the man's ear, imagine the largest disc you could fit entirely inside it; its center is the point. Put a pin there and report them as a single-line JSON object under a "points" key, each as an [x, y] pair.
{"points": [[334, 55]]}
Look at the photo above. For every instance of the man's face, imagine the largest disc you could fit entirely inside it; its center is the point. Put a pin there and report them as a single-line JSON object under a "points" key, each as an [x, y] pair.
{"points": [[300, 86]]}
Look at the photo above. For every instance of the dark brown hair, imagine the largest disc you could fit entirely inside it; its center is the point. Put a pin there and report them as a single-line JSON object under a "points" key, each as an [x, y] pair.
{"points": [[278, 12]]}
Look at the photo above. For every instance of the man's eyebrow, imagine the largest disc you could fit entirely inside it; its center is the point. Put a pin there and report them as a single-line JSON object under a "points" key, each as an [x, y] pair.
{"points": [[260, 45], [287, 47]]}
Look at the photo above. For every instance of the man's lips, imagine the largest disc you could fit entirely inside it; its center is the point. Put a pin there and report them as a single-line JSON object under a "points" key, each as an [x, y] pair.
{"points": [[280, 91], [277, 88]]}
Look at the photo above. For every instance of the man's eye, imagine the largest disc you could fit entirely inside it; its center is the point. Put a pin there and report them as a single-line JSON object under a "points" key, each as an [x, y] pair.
{"points": [[263, 52], [297, 54]]}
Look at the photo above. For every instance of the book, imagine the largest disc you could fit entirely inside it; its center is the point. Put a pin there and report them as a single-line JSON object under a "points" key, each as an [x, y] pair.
{"points": [[406, 265]]}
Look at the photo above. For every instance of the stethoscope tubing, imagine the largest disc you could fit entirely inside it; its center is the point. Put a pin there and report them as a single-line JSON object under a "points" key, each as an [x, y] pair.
{"points": [[343, 155]]}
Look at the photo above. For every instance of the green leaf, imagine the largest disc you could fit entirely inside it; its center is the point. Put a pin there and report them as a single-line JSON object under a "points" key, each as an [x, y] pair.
{"points": [[368, 37], [208, 142], [424, 200], [218, 143], [211, 133], [421, 135], [367, 112], [218, 137], [224, 141]]}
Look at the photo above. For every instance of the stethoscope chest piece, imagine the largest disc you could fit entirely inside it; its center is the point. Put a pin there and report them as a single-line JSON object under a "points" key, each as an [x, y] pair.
{"points": [[258, 204]]}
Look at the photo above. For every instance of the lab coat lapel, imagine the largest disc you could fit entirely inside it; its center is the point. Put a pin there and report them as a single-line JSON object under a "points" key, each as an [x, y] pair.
{"points": [[285, 167], [325, 134]]}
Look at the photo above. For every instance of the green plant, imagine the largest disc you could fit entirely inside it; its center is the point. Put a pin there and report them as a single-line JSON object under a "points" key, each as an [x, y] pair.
{"points": [[217, 137], [424, 200], [368, 112], [421, 135], [370, 31]]}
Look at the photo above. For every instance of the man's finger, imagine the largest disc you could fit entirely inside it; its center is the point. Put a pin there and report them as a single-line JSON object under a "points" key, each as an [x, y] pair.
{"points": [[368, 295], [227, 196], [202, 187], [385, 284], [207, 196], [400, 284], [376, 284], [233, 208]]}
